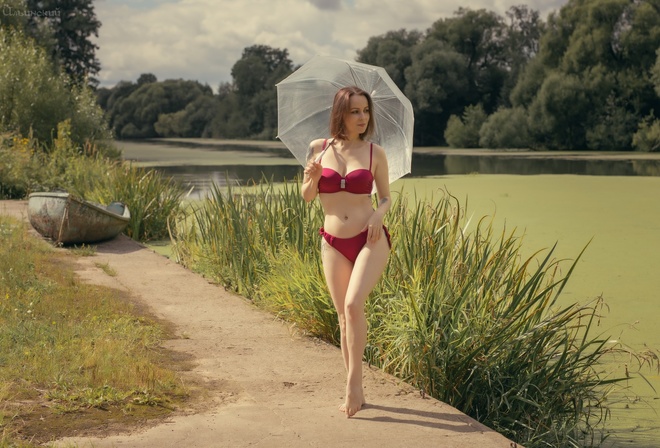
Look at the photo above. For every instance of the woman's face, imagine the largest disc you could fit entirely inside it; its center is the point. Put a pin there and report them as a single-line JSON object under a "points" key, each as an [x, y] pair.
{"points": [[356, 119]]}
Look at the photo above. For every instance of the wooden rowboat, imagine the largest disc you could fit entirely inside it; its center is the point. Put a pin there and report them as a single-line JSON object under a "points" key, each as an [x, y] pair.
{"points": [[66, 219]]}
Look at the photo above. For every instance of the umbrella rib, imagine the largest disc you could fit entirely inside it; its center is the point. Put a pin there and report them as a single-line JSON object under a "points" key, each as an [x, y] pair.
{"points": [[301, 121]]}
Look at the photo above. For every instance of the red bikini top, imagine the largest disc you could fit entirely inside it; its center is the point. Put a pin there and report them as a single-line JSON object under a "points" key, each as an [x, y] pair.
{"points": [[358, 181]]}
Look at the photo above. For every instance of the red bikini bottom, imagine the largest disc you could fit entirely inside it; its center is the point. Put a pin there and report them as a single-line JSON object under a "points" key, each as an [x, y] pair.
{"points": [[350, 247]]}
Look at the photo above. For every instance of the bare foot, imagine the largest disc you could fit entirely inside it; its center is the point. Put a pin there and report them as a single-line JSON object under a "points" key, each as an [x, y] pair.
{"points": [[354, 402]]}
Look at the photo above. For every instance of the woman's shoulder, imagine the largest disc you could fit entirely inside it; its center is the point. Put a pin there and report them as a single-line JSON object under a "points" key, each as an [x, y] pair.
{"points": [[317, 144], [379, 151]]}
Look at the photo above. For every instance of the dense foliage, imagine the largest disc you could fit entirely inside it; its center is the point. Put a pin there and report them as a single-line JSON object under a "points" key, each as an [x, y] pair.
{"points": [[587, 79], [63, 29], [176, 108], [36, 95]]}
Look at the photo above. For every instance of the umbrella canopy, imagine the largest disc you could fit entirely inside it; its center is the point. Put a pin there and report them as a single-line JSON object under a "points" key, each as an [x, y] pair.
{"points": [[304, 103]]}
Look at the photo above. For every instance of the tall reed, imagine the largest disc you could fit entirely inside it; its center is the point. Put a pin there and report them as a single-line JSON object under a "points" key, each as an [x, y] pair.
{"points": [[233, 237], [464, 316], [459, 312]]}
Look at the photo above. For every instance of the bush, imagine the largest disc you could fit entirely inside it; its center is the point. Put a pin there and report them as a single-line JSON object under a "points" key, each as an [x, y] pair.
{"points": [[18, 166], [506, 128], [35, 95], [465, 133], [647, 137]]}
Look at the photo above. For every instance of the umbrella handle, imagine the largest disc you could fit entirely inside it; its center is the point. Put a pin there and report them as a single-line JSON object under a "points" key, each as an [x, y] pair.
{"points": [[318, 158]]}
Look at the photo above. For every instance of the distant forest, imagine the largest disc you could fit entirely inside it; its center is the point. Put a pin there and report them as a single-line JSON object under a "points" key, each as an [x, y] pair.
{"points": [[587, 79]]}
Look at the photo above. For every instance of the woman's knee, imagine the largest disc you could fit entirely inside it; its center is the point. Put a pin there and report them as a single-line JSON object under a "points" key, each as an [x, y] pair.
{"points": [[353, 310]]}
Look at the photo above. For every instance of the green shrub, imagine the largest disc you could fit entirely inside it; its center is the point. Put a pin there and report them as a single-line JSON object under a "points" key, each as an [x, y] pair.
{"points": [[86, 172], [218, 236], [462, 315], [506, 128], [464, 133], [303, 299], [647, 137], [35, 95], [18, 166]]}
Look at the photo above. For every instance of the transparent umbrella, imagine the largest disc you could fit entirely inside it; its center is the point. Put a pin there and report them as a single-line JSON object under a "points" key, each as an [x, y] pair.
{"points": [[304, 103]]}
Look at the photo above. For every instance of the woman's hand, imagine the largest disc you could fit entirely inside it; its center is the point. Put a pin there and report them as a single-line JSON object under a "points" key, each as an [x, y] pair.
{"points": [[374, 227], [313, 171]]}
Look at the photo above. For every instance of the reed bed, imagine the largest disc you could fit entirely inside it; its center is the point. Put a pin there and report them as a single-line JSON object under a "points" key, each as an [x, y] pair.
{"points": [[459, 312]]}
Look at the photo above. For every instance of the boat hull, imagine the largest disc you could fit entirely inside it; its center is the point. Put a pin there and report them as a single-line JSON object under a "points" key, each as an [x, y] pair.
{"points": [[66, 219]]}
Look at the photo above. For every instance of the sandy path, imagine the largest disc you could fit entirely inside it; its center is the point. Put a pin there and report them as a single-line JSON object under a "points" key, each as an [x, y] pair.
{"points": [[268, 388]]}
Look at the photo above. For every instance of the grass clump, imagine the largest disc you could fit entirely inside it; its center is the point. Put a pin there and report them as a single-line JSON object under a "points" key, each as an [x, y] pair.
{"points": [[218, 236], [68, 347], [459, 312], [88, 173]]}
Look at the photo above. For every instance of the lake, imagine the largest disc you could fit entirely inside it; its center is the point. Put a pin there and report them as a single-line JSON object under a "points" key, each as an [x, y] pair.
{"points": [[610, 199]]}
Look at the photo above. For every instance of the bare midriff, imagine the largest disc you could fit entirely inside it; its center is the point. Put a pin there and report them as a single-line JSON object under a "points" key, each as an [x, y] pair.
{"points": [[346, 214]]}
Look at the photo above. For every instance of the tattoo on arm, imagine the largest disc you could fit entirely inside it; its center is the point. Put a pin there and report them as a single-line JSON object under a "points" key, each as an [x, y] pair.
{"points": [[385, 200]]}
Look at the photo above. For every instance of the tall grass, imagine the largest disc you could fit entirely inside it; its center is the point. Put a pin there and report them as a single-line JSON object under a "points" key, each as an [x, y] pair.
{"points": [[462, 315], [88, 173], [233, 238], [459, 312], [66, 346]]}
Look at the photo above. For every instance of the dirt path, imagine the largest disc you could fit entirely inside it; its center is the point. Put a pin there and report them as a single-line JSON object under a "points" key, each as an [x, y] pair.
{"points": [[268, 388]]}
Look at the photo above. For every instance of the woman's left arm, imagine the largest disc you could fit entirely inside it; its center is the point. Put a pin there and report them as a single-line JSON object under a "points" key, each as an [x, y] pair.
{"points": [[382, 179]]}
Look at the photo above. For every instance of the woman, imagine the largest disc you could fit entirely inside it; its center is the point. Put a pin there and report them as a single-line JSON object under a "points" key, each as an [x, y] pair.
{"points": [[355, 244]]}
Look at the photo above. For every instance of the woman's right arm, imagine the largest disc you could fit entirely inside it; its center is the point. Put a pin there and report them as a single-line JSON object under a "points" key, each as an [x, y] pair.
{"points": [[312, 175]]}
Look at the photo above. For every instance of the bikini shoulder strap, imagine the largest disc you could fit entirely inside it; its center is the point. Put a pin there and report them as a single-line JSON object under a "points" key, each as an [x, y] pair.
{"points": [[323, 149], [371, 155]]}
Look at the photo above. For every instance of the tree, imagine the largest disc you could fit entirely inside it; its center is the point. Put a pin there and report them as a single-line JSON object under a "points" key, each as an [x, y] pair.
{"points": [[146, 78], [523, 33], [603, 52], [647, 137], [655, 73], [259, 68], [480, 37], [35, 95], [464, 133], [471, 58], [556, 115], [71, 24], [506, 128], [255, 76], [392, 51], [192, 121], [134, 109], [436, 84]]}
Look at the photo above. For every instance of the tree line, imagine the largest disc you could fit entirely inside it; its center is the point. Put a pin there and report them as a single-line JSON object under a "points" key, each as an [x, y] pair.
{"points": [[588, 78]]}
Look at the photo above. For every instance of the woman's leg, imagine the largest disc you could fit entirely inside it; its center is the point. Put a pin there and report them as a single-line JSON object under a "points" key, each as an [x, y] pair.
{"points": [[337, 270], [368, 268]]}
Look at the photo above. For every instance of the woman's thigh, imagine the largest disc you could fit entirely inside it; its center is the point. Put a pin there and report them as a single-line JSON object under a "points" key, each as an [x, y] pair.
{"points": [[337, 270], [368, 268]]}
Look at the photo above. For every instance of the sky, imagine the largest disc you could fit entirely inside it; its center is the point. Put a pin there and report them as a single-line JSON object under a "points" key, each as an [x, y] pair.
{"points": [[202, 39]]}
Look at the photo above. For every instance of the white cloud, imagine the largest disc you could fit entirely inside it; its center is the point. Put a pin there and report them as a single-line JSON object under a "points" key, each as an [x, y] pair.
{"points": [[202, 39]]}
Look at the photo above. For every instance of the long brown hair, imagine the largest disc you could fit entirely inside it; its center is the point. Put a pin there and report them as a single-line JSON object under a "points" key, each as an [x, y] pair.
{"points": [[341, 106]]}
